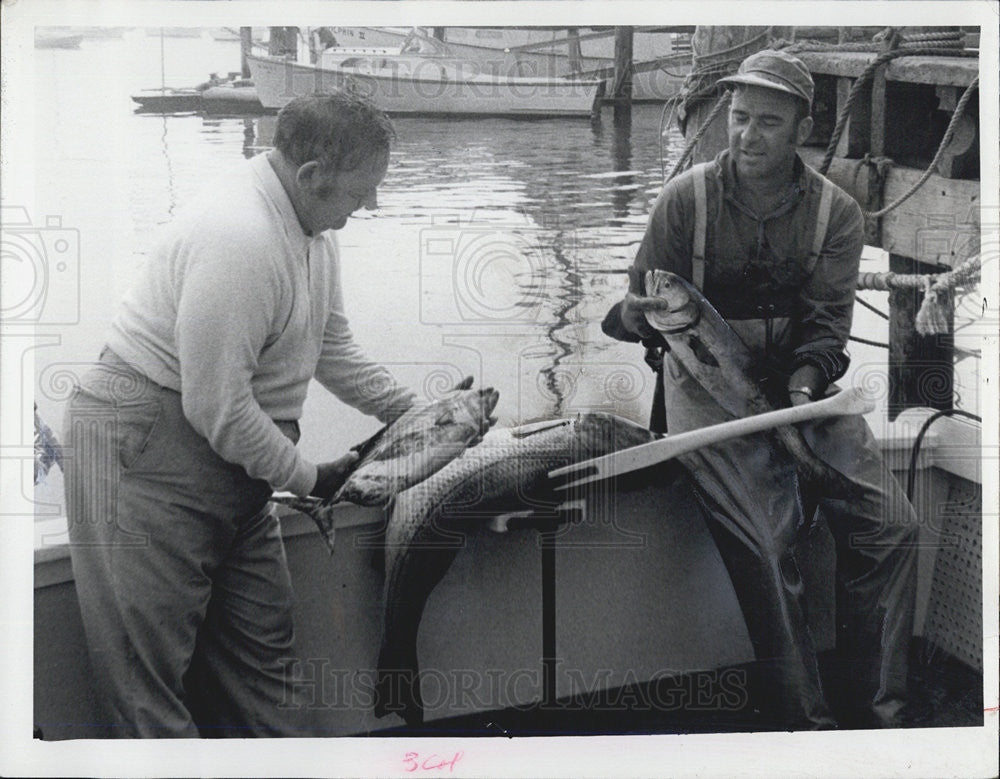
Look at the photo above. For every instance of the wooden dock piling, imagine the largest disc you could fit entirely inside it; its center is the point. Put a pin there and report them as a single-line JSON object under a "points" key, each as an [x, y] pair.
{"points": [[621, 94], [246, 44]]}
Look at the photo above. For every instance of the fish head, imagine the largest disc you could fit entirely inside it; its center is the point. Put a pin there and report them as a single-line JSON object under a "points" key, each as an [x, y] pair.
{"points": [[458, 416], [600, 433], [682, 298]]}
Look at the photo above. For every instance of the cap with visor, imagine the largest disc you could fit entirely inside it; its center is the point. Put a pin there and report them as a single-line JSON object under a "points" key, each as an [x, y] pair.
{"points": [[774, 69]]}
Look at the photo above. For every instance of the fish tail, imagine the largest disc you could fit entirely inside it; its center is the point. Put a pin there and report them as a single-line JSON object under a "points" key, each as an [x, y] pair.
{"points": [[397, 690], [316, 510]]}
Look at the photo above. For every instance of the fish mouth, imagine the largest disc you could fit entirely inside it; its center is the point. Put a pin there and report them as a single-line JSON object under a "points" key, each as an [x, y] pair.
{"points": [[683, 312]]}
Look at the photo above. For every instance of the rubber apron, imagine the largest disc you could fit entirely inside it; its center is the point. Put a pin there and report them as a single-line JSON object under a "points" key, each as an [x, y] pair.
{"points": [[755, 518]]}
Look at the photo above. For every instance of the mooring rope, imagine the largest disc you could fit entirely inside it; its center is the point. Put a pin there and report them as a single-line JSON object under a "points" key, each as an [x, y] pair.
{"points": [[722, 102], [861, 80], [948, 134], [931, 318]]}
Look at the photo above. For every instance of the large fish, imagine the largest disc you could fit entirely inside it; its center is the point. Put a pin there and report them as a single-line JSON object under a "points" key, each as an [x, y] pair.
{"points": [[425, 529], [720, 361], [417, 444]]}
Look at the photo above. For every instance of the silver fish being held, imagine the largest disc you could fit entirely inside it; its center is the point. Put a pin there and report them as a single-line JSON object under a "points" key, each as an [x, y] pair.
{"points": [[711, 351], [420, 442], [424, 532]]}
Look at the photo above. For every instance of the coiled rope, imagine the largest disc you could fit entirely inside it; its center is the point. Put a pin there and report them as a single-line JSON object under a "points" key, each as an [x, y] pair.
{"points": [[931, 318]]}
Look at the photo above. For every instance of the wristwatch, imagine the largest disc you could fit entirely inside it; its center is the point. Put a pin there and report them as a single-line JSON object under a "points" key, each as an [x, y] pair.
{"points": [[807, 391]]}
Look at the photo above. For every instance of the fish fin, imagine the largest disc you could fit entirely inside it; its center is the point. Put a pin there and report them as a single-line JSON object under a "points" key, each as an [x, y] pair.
{"points": [[523, 431], [702, 353]]}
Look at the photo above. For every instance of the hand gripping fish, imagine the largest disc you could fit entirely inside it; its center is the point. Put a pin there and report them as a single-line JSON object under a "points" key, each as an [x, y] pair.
{"points": [[425, 530], [420, 442], [717, 358]]}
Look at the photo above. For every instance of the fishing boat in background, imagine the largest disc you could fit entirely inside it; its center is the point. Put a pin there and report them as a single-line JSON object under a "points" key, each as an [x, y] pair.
{"points": [[423, 76], [176, 32], [661, 54]]}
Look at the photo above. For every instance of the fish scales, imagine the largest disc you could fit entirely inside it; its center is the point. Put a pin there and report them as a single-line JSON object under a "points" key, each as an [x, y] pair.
{"points": [[424, 531], [420, 442], [711, 351]]}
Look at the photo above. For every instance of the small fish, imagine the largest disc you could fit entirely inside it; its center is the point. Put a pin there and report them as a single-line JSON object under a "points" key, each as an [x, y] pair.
{"points": [[507, 470], [417, 444], [704, 343]]}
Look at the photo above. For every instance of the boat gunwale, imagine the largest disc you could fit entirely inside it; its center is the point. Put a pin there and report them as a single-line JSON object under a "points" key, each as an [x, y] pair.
{"points": [[514, 81]]}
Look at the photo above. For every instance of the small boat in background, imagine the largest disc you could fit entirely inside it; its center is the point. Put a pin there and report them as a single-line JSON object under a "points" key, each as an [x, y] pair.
{"points": [[52, 38], [232, 95]]}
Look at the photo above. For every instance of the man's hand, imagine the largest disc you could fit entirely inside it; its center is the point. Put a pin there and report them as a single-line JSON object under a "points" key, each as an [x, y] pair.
{"points": [[805, 385], [331, 476], [633, 313]]}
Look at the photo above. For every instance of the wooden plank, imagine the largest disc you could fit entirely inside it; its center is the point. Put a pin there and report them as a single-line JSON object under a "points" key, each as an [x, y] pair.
{"points": [[938, 225], [854, 140], [676, 62], [962, 154], [622, 92], [948, 71]]}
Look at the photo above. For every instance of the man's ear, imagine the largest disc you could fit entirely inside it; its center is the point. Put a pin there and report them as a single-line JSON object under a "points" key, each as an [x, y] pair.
{"points": [[307, 175], [804, 131]]}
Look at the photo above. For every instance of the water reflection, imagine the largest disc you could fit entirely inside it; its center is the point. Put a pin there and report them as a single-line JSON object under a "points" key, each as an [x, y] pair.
{"points": [[525, 227], [497, 247]]}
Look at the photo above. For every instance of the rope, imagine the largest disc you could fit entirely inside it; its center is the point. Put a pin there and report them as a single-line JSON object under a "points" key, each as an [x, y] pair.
{"points": [[722, 102], [871, 308], [852, 97], [948, 134], [672, 105], [931, 318], [915, 453], [715, 55], [861, 340]]}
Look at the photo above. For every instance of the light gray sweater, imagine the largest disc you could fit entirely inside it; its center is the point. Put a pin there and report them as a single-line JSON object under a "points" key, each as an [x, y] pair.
{"points": [[236, 309]]}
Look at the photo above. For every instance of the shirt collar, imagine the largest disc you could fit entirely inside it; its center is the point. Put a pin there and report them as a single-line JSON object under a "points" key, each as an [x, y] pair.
{"points": [[726, 169], [275, 192]]}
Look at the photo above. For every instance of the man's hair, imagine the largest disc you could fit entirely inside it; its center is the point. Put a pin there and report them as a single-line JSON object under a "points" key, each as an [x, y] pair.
{"points": [[339, 130]]}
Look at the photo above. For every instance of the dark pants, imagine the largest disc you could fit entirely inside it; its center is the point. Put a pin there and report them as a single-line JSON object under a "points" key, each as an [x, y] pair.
{"points": [[747, 489], [179, 566]]}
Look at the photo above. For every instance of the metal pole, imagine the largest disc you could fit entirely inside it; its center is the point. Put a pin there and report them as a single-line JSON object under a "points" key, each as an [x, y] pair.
{"points": [[163, 72]]}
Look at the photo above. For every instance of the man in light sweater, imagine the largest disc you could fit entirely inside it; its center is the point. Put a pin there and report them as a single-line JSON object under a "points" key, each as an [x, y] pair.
{"points": [[188, 422]]}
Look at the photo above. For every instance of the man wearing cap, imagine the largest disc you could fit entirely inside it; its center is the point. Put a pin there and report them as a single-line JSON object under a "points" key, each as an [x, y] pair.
{"points": [[775, 247]]}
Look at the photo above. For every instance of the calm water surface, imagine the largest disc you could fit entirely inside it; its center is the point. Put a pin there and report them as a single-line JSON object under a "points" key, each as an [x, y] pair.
{"points": [[496, 249]]}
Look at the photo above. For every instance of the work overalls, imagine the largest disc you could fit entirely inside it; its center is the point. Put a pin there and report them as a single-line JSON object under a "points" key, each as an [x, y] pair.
{"points": [[747, 490]]}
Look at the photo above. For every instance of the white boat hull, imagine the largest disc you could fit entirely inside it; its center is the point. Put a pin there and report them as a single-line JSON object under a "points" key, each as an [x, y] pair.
{"points": [[487, 46], [279, 81]]}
